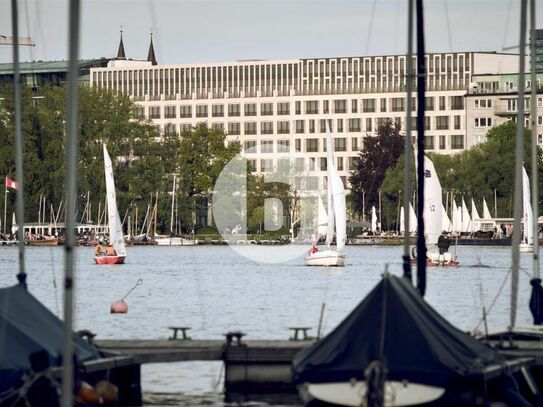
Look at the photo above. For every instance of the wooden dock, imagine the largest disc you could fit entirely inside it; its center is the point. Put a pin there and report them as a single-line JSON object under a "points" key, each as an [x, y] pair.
{"points": [[250, 366]]}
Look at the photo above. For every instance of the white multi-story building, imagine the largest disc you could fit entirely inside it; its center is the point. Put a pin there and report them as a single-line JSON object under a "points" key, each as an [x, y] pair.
{"points": [[493, 100], [280, 108]]}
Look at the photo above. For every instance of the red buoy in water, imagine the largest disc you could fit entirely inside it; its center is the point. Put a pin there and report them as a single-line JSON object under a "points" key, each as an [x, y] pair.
{"points": [[119, 307]]}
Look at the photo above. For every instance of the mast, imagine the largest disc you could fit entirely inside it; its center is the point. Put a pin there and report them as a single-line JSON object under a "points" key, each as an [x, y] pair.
{"points": [[18, 143], [519, 148], [533, 127], [173, 207], [72, 142], [421, 88]]}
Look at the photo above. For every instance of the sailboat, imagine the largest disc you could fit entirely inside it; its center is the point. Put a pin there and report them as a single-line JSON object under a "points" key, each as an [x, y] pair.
{"points": [[475, 218], [337, 215], [412, 220], [527, 242], [433, 218], [373, 220], [116, 237]]}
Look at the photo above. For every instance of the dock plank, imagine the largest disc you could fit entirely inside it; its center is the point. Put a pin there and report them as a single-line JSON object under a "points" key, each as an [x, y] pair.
{"points": [[161, 351]]}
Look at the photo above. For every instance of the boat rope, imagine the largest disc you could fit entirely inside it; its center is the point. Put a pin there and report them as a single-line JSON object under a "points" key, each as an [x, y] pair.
{"points": [[28, 380], [54, 278], [500, 290], [140, 282]]}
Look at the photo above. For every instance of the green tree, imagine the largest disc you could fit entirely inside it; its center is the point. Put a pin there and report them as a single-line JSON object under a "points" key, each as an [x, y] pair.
{"points": [[475, 173], [203, 153], [378, 154]]}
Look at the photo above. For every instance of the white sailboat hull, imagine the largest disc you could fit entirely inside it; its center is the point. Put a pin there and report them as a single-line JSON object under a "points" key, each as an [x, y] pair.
{"points": [[327, 258], [526, 248], [353, 393], [175, 241]]}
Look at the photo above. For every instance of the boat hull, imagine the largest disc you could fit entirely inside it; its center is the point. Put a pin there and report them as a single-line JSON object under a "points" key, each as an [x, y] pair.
{"points": [[435, 259], [352, 393], [109, 259], [526, 248], [43, 242], [327, 258], [175, 241]]}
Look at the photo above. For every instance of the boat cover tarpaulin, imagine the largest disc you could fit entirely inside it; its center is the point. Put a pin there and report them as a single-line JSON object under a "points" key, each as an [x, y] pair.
{"points": [[419, 344], [27, 326]]}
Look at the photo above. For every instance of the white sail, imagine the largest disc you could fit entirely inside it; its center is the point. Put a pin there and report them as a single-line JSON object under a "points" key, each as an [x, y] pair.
{"points": [[402, 222], [527, 209], [457, 218], [486, 212], [432, 203], [412, 219], [322, 218], [337, 191], [115, 227], [445, 221], [466, 219], [475, 218], [373, 219]]}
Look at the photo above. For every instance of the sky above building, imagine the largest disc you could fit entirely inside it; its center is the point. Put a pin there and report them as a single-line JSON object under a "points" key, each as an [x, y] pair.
{"points": [[202, 31]]}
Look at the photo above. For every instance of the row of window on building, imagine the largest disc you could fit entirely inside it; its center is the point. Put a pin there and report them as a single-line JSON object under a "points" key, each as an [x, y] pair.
{"points": [[304, 164], [318, 145], [342, 106], [310, 126]]}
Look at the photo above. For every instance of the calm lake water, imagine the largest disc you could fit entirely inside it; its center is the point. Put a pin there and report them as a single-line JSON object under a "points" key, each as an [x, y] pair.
{"points": [[214, 289]]}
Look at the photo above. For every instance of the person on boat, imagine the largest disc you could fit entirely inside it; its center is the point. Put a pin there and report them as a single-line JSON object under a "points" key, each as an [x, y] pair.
{"points": [[110, 251], [99, 250], [443, 244], [314, 249]]}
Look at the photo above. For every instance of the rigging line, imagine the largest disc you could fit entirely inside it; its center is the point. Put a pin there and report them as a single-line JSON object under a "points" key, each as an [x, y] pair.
{"points": [[42, 42], [396, 27], [506, 31], [500, 290], [370, 27], [54, 277], [27, 20], [447, 19]]}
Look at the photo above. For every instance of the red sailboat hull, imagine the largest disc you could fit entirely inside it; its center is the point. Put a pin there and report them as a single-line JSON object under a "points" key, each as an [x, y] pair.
{"points": [[109, 259]]}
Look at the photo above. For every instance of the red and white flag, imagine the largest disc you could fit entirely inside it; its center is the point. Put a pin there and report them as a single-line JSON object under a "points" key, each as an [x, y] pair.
{"points": [[10, 183]]}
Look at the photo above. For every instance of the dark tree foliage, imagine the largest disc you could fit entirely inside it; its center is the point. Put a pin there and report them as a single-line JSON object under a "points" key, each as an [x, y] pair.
{"points": [[475, 173], [378, 154]]}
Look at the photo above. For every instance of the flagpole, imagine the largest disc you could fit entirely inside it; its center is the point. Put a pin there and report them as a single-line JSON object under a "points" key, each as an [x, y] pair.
{"points": [[5, 206]]}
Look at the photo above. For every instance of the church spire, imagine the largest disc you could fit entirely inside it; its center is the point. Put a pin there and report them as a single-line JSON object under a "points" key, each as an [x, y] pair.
{"points": [[120, 51], [151, 55]]}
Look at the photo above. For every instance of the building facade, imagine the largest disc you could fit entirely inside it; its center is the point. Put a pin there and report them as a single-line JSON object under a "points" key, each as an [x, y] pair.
{"points": [[493, 99], [280, 108], [36, 74]]}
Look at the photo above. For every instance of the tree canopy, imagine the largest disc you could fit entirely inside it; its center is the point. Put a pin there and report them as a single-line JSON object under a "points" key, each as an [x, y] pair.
{"points": [[144, 159], [378, 154], [475, 173]]}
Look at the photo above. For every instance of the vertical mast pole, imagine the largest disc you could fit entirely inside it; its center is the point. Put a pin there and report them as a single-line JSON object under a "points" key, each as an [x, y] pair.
{"points": [[407, 146], [421, 88], [18, 142], [519, 155], [533, 126], [72, 144]]}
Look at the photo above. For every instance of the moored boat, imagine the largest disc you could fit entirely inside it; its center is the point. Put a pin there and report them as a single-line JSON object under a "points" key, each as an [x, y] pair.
{"points": [[52, 241]]}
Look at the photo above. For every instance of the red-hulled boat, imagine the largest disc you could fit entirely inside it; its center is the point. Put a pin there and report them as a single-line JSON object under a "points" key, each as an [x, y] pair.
{"points": [[104, 259]]}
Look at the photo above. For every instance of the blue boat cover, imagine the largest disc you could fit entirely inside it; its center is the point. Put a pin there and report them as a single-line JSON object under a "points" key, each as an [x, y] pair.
{"points": [[418, 344], [27, 326]]}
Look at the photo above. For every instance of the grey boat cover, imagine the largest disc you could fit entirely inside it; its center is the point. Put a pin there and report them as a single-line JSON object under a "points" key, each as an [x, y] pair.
{"points": [[419, 344], [27, 326]]}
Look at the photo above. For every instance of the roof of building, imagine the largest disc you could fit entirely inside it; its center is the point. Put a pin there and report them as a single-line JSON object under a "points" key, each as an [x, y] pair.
{"points": [[50, 66], [120, 51]]}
